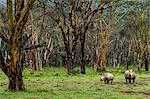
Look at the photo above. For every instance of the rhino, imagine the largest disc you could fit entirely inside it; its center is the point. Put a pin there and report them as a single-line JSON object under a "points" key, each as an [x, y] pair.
{"points": [[130, 76], [107, 77]]}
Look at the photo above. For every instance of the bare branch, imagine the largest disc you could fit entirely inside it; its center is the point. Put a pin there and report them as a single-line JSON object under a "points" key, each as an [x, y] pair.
{"points": [[4, 38]]}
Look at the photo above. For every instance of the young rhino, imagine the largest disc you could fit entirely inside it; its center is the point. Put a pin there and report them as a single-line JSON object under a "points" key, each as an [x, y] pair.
{"points": [[106, 77], [130, 75]]}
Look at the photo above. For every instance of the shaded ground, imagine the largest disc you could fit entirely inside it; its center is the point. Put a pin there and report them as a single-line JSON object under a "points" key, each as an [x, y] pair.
{"points": [[53, 83]]}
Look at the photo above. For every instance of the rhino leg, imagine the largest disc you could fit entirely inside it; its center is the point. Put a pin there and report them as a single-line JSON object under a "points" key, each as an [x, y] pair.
{"points": [[126, 79], [129, 80], [133, 79], [107, 81], [111, 81]]}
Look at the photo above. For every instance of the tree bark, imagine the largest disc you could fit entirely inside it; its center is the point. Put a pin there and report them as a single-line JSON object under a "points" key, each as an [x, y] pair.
{"points": [[15, 80], [146, 63], [69, 65], [68, 52], [15, 76], [15, 27], [82, 65], [146, 56], [128, 54], [139, 59], [135, 57]]}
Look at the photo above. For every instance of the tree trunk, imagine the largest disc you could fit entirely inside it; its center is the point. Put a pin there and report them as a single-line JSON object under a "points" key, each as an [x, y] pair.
{"points": [[17, 15], [146, 64], [146, 55], [82, 65], [128, 54], [98, 59], [114, 60], [69, 65], [139, 60], [15, 80], [74, 44], [38, 59], [15, 72], [15, 76], [31, 60], [140, 54], [103, 61], [103, 47], [135, 58], [38, 54]]}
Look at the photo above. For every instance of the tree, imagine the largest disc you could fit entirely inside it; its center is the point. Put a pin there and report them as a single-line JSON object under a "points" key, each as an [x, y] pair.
{"points": [[88, 14], [17, 15], [138, 27], [73, 19]]}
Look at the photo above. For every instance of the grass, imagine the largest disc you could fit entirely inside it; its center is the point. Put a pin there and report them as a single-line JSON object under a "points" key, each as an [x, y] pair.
{"points": [[53, 83]]}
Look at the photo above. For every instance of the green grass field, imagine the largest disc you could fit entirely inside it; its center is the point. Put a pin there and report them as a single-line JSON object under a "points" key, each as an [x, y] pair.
{"points": [[53, 83]]}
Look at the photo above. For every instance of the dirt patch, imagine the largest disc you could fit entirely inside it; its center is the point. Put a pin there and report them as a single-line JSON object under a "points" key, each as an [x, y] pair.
{"points": [[147, 92], [144, 81], [131, 92], [144, 78]]}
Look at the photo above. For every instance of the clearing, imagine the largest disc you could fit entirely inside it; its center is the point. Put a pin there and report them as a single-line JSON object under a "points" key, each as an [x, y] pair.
{"points": [[53, 83]]}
